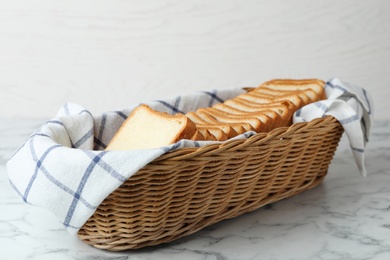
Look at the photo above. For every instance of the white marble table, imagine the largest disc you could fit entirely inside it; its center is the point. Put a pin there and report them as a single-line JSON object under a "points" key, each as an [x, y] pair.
{"points": [[346, 217]]}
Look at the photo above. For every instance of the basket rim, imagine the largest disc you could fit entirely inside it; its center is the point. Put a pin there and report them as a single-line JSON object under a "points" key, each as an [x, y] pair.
{"points": [[212, 148]]}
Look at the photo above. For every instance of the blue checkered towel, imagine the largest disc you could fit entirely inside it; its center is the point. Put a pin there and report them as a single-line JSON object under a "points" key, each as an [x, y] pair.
{"points": [[63, 166]]}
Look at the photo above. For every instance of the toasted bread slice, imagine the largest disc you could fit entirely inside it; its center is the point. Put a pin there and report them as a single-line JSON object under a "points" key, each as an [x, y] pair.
{"points": [[307, 96], [238, 103], [194, 117], [284, 108], [228, 130], [259, 98], [259, 122], [241, 127], [250, 97], [215, 131], [146, 128], [273, 122], [198, 136], [226, 108], [202, 113], [295, 100], [283, 93], [261, 109], [207, 135], [313, 96], [302, 84]]}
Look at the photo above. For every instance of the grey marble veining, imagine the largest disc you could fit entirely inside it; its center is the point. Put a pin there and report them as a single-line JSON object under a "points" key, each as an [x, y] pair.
{"points": [[346, 217]]}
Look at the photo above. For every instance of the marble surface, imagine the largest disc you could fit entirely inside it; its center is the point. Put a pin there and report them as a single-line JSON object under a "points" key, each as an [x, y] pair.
{"points": [[346, 217]]}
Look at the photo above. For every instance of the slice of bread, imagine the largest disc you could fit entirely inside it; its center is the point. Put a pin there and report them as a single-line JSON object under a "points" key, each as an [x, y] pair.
{"points": [[226, 108], [227, 129], [297, 84], [207, 135], [254, 98], [194, 117], [285, 109], [259, 122], [273, 120], [146, 128], [241, 127], [259, 98], [260, 109], [286, 94], [246, 105], [198, 136], [206, 117], [215, 131]]}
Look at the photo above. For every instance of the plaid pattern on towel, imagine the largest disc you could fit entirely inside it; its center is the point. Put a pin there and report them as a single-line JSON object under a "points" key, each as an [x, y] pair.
{"points": [[63, 166], [353, 108]]}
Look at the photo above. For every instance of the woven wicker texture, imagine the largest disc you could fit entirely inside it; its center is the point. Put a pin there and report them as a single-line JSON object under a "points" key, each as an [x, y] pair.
{"points": [[186, 190]]}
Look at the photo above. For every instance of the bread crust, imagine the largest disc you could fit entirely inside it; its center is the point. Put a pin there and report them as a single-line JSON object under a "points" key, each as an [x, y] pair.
{"points": [[315, 84], [186, 131], [261, 109]]}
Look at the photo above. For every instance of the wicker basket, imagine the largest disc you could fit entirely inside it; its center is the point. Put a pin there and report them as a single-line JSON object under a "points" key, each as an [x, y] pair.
{"points": [[186, 190]]}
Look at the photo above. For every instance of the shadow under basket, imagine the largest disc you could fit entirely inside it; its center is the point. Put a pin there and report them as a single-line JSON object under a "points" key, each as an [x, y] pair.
{"points": [[188, 189]]}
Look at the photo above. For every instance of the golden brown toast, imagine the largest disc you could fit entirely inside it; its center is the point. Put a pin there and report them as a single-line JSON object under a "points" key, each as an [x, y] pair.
{"points": [[261, 109]]}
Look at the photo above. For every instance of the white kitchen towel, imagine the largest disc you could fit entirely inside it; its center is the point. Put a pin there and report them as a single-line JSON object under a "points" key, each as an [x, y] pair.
{"points": [[63, 166], [353, 108]]}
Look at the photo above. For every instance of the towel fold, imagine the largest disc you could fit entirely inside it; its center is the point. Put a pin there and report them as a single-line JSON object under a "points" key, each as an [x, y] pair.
{"points": [[353, 108], [63, 166]]}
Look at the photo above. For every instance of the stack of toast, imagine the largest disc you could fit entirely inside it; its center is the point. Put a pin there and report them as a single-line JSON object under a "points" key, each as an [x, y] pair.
{"points": [[260, 109]]}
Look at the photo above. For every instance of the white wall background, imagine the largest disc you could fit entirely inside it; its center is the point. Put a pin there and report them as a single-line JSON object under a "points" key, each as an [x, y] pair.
{"points": [[108, 54]]}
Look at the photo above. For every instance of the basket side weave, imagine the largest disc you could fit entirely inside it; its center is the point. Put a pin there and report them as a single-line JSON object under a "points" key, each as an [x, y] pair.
{"points": [[186, 190]]}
